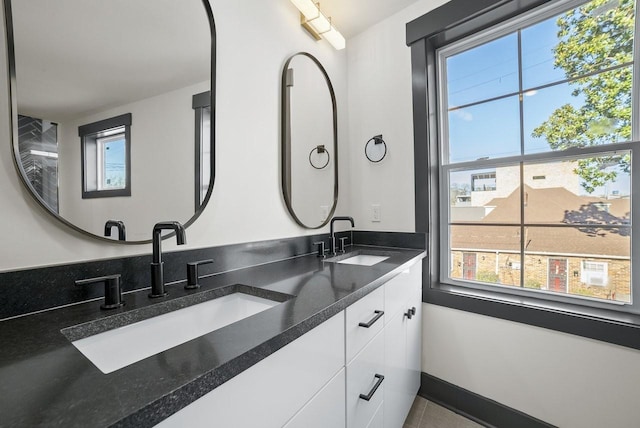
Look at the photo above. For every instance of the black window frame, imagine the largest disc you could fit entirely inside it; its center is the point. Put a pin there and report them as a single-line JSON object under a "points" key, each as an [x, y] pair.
{"points": [[439, 27], [89, 131]]}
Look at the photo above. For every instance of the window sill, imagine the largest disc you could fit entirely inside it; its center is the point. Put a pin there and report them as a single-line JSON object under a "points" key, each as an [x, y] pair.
{"points": [[599, 324]]}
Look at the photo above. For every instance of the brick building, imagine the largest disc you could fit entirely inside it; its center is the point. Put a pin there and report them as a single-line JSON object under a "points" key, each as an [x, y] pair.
{"points": [[566, 249]]}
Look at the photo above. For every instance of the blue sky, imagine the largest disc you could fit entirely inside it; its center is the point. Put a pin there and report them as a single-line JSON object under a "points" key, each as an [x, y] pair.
{"points": [[115, 160], [492, 129]]}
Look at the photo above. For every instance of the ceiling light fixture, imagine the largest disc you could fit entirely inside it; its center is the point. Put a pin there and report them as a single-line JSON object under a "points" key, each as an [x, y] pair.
{"points": [[318, 25]]}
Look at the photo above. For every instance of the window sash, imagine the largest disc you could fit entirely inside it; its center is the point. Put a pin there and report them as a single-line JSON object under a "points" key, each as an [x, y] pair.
{"points": [[445, 166], [506, 28]]}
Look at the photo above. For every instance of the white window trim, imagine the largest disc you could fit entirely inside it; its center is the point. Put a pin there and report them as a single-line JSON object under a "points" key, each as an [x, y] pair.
{"points": [[485, 36]]}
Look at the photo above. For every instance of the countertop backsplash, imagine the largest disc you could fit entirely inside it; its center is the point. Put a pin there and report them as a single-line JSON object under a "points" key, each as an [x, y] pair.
{"points": [[32, 290]]}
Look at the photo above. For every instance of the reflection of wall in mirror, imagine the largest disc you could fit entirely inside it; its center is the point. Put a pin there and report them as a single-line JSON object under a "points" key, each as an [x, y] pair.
{"points": [[162, 163], [311, 126]]}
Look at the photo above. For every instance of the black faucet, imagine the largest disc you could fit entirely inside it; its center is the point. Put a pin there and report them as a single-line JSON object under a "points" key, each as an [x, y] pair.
{"points": [[115, 223], [157, 271], [333, 235]]}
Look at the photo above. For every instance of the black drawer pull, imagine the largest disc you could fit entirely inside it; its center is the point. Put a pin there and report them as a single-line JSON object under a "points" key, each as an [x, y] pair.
{"points": [[369, 396], [379, 315]]}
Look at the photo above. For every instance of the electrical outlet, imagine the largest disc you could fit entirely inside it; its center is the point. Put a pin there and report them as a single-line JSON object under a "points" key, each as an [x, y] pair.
{"points": [[376, 215], [324, 212]]}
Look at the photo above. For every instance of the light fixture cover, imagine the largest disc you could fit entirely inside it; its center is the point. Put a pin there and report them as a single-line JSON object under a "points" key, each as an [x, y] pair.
{"points": [[307, 8], [336, 39], [318, 24]]}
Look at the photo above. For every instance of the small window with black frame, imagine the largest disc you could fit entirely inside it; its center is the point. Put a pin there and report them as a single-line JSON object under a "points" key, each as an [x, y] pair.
{"points": [[106, 157]]}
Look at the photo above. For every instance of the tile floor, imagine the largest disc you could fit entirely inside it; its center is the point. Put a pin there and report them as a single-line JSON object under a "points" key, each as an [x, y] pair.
{"points": [[425, 414]]}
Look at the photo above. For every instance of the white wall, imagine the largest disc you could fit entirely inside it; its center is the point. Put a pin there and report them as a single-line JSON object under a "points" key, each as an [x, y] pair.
{"points": [[379, 85], [565, 380], [254, 40]]}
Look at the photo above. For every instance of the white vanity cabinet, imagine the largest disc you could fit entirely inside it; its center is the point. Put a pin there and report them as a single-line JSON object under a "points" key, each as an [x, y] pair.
{"points": [[325, 409], [378, 419], [390, 347], [365, 378], [372, 348], [271, 392], [402, 334]]}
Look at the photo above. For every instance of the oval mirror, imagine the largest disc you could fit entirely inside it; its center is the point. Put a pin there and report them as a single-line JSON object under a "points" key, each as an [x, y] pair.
{"points": [[309, 141], [112, 110]]}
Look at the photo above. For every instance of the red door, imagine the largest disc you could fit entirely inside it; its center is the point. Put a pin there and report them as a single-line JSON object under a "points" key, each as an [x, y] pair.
{"points": [[557, 279], [469, 265]]}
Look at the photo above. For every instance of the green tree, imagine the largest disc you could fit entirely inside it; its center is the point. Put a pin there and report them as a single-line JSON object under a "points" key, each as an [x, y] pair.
{"points": [[594, 37]]}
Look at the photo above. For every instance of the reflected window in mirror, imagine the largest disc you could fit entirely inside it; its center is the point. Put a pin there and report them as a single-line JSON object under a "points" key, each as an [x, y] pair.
{"points": [[38, 147], [202, 108], [106, 157]]}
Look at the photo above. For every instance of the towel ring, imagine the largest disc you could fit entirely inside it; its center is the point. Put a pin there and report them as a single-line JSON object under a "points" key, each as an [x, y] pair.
{"points": [[376, 149], [319, 150]]}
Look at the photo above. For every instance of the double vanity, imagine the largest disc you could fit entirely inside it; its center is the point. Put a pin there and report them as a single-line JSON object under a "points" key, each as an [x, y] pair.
{"points": [[300, 342], [270, 335]]}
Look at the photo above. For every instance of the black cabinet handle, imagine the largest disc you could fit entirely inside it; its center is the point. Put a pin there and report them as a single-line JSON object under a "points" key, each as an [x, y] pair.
{"points": [[410, 313], [379, 315], [369, 396]]}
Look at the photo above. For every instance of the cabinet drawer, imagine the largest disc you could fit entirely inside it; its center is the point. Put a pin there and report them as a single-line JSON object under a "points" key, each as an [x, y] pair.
{"points": [[364, 312], [399, 289], [363, 374]]}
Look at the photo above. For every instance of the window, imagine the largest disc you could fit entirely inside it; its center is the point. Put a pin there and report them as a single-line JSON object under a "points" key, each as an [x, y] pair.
{"points": [[38, 147], [483, 182], [201, 104], [594, 273], [106, 157], [536, 151]]}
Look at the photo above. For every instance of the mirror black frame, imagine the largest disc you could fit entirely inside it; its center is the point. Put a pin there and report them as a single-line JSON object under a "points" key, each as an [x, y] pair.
{"points": [[285, 134], [13, 112]]}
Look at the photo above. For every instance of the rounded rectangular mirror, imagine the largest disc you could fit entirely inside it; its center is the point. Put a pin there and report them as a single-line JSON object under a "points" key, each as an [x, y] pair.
{"points": [[112, 110], [309, 141]]}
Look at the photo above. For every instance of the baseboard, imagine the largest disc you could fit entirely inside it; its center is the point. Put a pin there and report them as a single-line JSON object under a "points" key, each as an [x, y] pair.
{"points": [[475, 407]]}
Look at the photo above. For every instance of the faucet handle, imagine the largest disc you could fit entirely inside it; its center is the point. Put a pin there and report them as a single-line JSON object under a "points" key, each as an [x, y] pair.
{"points": [[112, 290], [192, 274], [321, 248], [341, 243]]}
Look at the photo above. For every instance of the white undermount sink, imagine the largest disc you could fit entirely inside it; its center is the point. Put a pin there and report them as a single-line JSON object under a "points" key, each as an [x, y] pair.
{"points": [[120, 347], [360, 257], [363, 260]]}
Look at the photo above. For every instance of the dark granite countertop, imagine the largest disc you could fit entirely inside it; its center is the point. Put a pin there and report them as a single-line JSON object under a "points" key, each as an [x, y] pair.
{"points": [[46, 381]]}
